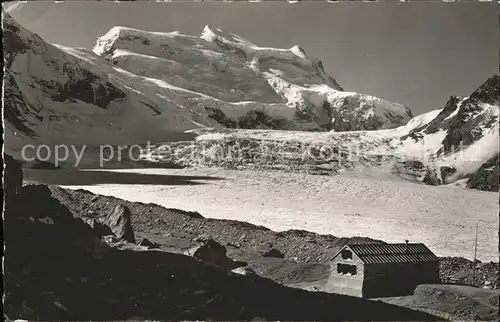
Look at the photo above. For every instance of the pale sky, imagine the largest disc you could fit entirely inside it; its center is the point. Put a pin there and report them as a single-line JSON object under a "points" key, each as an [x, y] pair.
{"points": [[413, 53]]}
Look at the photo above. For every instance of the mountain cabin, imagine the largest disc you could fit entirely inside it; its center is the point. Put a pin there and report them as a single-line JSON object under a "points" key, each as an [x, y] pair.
{"points": [[382, 270]]}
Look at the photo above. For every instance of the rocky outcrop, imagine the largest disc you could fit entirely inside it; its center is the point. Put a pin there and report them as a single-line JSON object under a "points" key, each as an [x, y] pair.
{"points": [[17, 112], [489, 91], [458, 270], [119, 222], [460, 137], [355, 113], [452, 302], [87, 87], [446, 172], [212, 253], [74, 83], [441, 122], [487, 177], [477, 114], [252, 120]]}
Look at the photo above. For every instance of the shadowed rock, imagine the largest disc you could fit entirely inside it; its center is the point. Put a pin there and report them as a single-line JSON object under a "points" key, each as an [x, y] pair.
{"points": [[99, 228], [213, 253], [120, 223], [487, 177], [273, 253], [13, 177], [147, 243]]}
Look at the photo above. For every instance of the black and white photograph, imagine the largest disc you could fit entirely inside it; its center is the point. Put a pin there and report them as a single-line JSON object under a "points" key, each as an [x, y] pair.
{"points": [[261, 160]]}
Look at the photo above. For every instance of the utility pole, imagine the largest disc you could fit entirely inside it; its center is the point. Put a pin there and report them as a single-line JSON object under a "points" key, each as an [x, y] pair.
{"points": [[473, 312], [475, 256]]}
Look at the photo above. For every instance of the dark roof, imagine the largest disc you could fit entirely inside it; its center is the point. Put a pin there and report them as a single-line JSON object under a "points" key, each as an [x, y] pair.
{"points": [[393, 253]]}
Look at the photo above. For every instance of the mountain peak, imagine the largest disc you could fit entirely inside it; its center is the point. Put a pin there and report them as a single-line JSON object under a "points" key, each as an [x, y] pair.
{"points": [[488, 92], [211, 34]]}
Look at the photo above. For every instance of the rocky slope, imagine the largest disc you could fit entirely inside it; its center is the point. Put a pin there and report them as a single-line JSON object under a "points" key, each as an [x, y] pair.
{"points": [[101, 281], [464, 135], [486, 178], [177, 230], [60, 267], [452, 302]]}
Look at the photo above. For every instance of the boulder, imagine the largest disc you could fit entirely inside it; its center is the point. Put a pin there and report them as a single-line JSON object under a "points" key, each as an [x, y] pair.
{"points": [[213, 253], [120, 223], [244, 271], [446, 172], [144, 242], [431, 177]]}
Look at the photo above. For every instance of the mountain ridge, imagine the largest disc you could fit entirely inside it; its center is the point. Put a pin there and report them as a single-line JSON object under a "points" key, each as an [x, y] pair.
{"points": [[136, 86]]}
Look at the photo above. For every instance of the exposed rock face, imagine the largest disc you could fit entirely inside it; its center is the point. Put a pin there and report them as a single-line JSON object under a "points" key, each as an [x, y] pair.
{"points": [[351, 114], [477, 114], [431, 177], [87, 88], [13, 44], [120, 223], [441, 122], [458, 270], [252, 120], [16, 110], [487, 177], [63, 79], [446, 172], [460, 137], [464, 119], [489, 91], [41, 229]]}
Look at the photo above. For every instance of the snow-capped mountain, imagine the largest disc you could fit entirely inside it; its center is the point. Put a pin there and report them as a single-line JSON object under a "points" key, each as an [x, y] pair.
{"points": [[464, 134], [55, 94], [137, 86], [460, 141], [241, 85]]}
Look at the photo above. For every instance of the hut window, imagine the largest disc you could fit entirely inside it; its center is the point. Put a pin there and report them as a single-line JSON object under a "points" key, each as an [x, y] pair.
{"points": [[346, 269], [346, 254]]}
